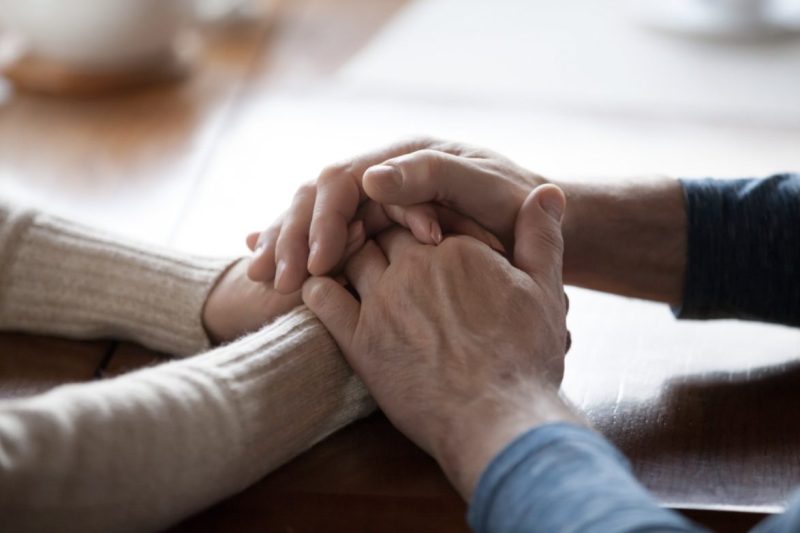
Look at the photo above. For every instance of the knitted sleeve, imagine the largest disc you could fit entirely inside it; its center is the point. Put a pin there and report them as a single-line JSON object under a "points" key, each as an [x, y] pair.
{"points": [[144, 450], [60, 278]]}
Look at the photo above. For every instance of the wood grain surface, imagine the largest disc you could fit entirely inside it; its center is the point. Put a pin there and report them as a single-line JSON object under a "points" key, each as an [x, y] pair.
{"points": [[703, 411]]}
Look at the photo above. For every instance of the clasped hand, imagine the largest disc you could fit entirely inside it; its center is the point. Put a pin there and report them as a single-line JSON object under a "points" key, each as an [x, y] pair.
{"points": [[461, 346]]}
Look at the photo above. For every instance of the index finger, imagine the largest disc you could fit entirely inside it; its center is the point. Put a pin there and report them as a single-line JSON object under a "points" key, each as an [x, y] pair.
{"points": [[396, 243], [339, 194]]}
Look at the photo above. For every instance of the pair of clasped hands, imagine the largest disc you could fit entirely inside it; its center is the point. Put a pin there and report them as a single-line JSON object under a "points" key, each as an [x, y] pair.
{"points": [[458, 328]]}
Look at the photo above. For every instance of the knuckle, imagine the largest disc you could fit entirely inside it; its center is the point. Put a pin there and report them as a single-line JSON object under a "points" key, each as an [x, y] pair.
{"points": [[456, 246], [268, 237], [370, 247], [417, 142], [421, 165], [417, 256], [292, 241], [336, 172], [305, 190], [454, 148], [318, 294]]}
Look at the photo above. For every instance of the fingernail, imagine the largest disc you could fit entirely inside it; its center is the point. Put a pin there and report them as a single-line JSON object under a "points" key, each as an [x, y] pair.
{"points": [[259, 249], [553, 204], [436, 233], [386, 173], [279, 273]]}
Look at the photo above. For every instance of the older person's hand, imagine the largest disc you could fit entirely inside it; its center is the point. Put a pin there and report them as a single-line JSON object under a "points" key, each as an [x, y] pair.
{"points": [[429, 186], [462, 350]]}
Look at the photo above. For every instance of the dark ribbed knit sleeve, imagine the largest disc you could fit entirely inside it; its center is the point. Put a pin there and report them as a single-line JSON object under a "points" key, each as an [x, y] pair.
{"points": [[743, 249]]}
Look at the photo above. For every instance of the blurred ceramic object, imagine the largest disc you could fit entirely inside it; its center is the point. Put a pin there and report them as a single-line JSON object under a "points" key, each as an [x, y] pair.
{"points": [[730, 20], [225, 12], [97, 35]]}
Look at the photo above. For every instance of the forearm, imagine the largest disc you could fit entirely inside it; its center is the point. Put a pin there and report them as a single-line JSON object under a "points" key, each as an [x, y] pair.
{"points": [[61, 278], [710, 248], [142, 451], [626, 237]]}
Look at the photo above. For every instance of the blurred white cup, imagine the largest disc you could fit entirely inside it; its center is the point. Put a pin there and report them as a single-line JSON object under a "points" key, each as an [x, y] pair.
{"points": [[738, 8], [97, 34], [729, 20]]}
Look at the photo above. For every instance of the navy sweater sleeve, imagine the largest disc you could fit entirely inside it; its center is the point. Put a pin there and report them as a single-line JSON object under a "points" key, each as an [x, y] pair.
{"points": [[743, 249]]}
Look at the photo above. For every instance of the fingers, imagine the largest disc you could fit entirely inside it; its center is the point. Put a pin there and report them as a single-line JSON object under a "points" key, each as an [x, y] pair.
{"points": [[539, 247], [365, 268], [441, 220], [456, 223], [339, 192], [262, 263], [356, 238], [396, 242], [421, 176], [338, 196], [463, 184], [252, 239], [421, 219], [335, 307], [291, 248]]}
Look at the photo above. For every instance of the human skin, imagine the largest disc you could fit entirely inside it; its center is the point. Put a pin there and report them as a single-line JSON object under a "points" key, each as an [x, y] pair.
{"points": [[460, 372], [237, 305], [626, 237]]}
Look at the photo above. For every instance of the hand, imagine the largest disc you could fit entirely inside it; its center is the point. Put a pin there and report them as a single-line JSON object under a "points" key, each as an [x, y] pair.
{"points": [[238, 305], [470, 188], [462, 351]]}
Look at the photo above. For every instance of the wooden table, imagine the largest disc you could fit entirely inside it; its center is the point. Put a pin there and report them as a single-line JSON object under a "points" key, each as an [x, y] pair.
{"points": [[704, 411]]}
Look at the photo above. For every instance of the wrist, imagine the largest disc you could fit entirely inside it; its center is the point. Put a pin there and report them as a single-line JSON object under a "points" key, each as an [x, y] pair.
{"points": [[626, 237], [215, 308], [477, 436]]}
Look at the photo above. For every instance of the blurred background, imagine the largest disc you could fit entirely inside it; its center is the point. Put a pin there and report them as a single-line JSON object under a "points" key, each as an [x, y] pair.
{"points": [[190, 123]]}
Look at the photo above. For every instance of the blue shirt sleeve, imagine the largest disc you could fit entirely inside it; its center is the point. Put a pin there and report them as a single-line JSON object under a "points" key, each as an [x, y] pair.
{"points": [[562, 477], [743, 249], [783, 523], [567, 478]]}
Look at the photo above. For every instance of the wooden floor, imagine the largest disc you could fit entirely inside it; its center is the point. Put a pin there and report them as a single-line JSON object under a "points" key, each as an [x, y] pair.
{"points": [[706, 412]]}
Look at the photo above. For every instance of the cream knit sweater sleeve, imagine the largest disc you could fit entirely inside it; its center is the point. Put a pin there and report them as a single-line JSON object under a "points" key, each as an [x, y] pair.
{"points": [[142, 451]]}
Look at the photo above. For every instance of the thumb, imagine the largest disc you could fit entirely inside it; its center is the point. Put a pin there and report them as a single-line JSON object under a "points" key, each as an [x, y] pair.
{"points": [[465, 185], [539, 245], [336, 308]]}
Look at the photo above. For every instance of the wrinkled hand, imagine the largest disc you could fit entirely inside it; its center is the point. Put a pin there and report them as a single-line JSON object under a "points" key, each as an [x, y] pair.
{"points": [[429, 186], [461, 350]]}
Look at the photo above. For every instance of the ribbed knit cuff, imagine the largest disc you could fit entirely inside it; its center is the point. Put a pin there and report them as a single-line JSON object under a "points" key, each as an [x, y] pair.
{"points": [[292, 386], [743, 249], [61, 278]]}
